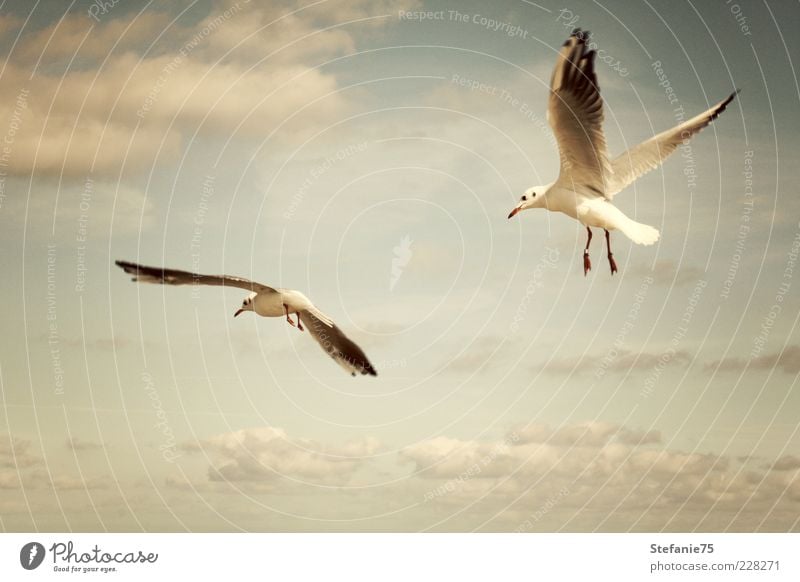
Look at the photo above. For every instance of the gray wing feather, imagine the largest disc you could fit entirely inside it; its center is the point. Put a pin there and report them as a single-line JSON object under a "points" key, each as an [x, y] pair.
{"points": [[164, 276], [575, 112], [650, 154], [337, 345]]}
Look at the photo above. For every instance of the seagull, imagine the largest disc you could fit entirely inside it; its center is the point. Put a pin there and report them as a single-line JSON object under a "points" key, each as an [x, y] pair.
{"points": [[588, 180], [269, 302]]}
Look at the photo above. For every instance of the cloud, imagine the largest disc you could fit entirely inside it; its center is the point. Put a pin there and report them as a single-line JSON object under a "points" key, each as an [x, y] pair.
{"points": [[138, 113], [278, 30], [787, 463], [623, 361], [133, 103], [447, 457], [788, 360], [585, 434], [75, 34], [16, 453], [268, 455], [39, 478], [639, 437], [8, 24], [595, 474], [22, 469], [590, 434], [78, 445]]}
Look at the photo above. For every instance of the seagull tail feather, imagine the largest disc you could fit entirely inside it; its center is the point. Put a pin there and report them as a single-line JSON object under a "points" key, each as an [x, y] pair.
{"points": [[641, 234]]}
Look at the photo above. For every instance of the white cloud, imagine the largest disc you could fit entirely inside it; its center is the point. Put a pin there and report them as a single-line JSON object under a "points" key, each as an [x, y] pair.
{"points": [[268, 455], [119, 105], [77, 34], [600, 475]]}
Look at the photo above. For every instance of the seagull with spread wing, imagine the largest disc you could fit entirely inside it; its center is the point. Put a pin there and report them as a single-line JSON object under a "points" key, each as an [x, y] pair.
{"points": [[588, 179], [269, 302]]}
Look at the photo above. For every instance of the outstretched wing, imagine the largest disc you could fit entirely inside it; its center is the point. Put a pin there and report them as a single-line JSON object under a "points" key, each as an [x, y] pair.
{"points": [[337, 345], [575, 112], [650, 154], [163, 276]]}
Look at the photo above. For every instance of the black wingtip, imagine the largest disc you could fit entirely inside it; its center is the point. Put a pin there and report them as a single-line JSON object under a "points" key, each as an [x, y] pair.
{"points": [[581, 35], [727, 102], [130, 269], [576, 33]]}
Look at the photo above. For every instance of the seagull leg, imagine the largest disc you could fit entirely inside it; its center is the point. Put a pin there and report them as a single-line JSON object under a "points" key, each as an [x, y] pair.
{"points": [[289, 319], [611, 262], [587, 262], [300, 323]]}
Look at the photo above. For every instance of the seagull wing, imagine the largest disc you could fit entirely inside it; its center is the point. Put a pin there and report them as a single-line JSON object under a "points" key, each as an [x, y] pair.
{"points": [[575, 112], [650, 154], [337, 345], [163, 276]]}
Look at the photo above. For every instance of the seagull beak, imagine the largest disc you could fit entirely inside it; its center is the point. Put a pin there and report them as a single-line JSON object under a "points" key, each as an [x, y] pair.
{"points": [[513, 212], [238, 312]]}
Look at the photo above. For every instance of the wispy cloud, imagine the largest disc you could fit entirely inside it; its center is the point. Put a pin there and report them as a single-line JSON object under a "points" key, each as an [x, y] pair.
{"points": [[787, 360], [79, 445], [624, 361], [269, 455]]}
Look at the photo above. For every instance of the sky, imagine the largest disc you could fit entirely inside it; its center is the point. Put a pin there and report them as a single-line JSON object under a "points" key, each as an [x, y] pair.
{"points": [[367, 153]]}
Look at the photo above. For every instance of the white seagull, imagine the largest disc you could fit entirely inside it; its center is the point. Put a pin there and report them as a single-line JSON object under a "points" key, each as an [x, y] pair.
{"points": [[269, 302], [588, 180]]}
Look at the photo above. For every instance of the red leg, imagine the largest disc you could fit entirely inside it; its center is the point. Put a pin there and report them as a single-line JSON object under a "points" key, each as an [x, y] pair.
{"points": [[300, 323], [289, 319], [611, 262], [587, 263]]}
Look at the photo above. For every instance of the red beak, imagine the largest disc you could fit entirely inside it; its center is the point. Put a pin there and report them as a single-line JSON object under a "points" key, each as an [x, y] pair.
{"points": [[238, 312], [513, 212]]}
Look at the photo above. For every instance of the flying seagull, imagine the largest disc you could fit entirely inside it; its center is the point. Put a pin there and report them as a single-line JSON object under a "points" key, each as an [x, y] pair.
{"points": [[588, 179], [269, 302]]}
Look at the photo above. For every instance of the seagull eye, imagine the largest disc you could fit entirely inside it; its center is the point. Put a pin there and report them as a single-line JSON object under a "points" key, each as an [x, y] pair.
{"points": [[524, 198], [534, 194]]}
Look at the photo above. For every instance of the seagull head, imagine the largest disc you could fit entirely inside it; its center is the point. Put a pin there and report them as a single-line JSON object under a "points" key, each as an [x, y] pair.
{"points": [[532, 198], [247, 304]]}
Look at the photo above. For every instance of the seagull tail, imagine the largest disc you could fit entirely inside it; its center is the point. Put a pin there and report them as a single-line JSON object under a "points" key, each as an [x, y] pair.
{"points": [[641, 234]]}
